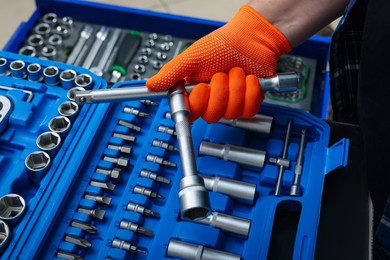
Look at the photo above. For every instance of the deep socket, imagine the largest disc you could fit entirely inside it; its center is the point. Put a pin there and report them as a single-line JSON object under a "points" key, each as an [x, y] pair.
{"points": [[261, 124], [184, 250], [238, 154], [238, 190]]}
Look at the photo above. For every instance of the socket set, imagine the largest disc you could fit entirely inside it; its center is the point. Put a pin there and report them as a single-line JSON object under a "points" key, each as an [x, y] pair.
{"points": [[104, 181], [112, 53]]}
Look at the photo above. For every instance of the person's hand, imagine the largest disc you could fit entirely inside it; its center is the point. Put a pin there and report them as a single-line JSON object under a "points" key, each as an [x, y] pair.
{"points": [[247, 41]]}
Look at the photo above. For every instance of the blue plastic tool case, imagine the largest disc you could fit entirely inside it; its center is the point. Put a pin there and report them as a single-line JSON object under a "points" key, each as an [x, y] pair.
{"points": [[53, 203]]}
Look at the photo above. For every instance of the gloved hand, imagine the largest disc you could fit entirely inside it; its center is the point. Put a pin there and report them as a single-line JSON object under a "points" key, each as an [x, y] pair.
{"points": [[247, 41]]}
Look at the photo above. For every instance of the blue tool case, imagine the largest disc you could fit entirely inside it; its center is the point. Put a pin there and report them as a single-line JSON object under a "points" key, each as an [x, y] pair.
{"points": [[101, 181]]}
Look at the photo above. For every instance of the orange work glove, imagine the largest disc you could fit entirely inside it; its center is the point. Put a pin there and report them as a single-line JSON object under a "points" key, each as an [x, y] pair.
{"points": [[247, 41]]}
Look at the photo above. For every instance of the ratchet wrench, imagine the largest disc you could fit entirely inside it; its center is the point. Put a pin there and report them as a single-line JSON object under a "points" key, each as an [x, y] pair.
{"points": [[284, 82]]}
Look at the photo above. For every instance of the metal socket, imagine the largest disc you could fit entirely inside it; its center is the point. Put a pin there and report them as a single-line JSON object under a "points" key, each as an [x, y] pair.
{"points": [[50, 19], [55, 40], [261, 124], [37, 163], [42, 29], [5, 236], [28, 51], [68, 109], [184, 250], [12, 208], [49, 142], [18, 69], [84, 81], [36, 41], [67, 78], [60, 125], [49, 52], [34, 72], [238, 154], [4, 67], [231, 224], [51, 75], [237, 190]]}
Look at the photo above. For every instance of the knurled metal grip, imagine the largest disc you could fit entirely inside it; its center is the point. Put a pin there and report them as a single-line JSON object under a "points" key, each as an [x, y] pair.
{"points": [[193, 196]]}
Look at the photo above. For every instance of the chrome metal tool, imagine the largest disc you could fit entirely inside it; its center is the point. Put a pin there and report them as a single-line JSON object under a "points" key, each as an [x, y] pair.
{"points": [[286, 82]]}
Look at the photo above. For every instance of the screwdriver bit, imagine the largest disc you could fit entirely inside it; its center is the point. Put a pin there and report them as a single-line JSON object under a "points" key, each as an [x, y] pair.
{"points": [[70, 256], [166, 130], [99, 199], [123, 149], [121, 244], [90, 229], [121, 161], [78, 241], [147, 192], [142, 210], [159, 160], [154, 176], [114, 173], [129, 125], [129, 138], [136, 112], [135, 228], [95, 213], [104, 185], [148, 102], [164, 145]]}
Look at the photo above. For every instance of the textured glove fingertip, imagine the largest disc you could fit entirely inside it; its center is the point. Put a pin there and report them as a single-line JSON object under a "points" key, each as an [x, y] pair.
{"points": [[198, 100], [253, 96]]}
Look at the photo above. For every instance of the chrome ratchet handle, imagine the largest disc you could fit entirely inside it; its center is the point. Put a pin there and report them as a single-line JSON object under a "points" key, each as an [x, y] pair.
{"points": [[127, 91]]}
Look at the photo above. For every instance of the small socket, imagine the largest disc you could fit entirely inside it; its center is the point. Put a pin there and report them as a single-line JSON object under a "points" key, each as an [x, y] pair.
{"points": [[49, 142], [68, 109], [60, 125], [72, 93], [12, 208], [84, 81], [28, 51], [67, 78], [37, 163]]}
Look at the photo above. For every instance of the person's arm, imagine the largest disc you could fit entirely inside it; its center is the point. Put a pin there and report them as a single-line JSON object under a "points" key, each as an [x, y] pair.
{"points": [[299, 19]]}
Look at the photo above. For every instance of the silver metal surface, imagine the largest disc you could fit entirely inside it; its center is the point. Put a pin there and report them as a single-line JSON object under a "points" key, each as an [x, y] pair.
{"points": [[51, 75], [60, 125], [5, 236], [279, 180], [67, 78], [128, 247], [115, 173], [49, 52], [37, 164], [5, 112], [101, 36], [98, 69], [238, 190], [142, 210], [12, 208], [295, 189], [28, 51], [49, 142], [36, 41], [147, 192], [50, 19], [72, 91], [55, 40], [184, 250], [42, 29], [84, 36], [84, 81], [137, 93], [18, 69], [4, 70], [69, 109], [231, 224], [261, 124], [34, 72], [233, 153], [193, 196]]}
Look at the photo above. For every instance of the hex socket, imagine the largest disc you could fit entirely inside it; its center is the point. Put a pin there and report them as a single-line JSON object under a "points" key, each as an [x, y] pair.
{"points": [[184, 250], [60, 125], [68, 109], [84, 80], [228, 223], [49, 142], [18, 69], [12, 208], [67, 78], [28, 51], [237, 190], [37, 164], [261, 124], [4, 67], [34, 72], [238, 154], [72, 92], [5, 236], [50, 75]]}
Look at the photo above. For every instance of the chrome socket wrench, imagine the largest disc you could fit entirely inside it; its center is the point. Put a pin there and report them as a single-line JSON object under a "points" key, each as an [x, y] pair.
{"points": [[238, 154], [184, 250], [193, 196], [116, 94]]}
